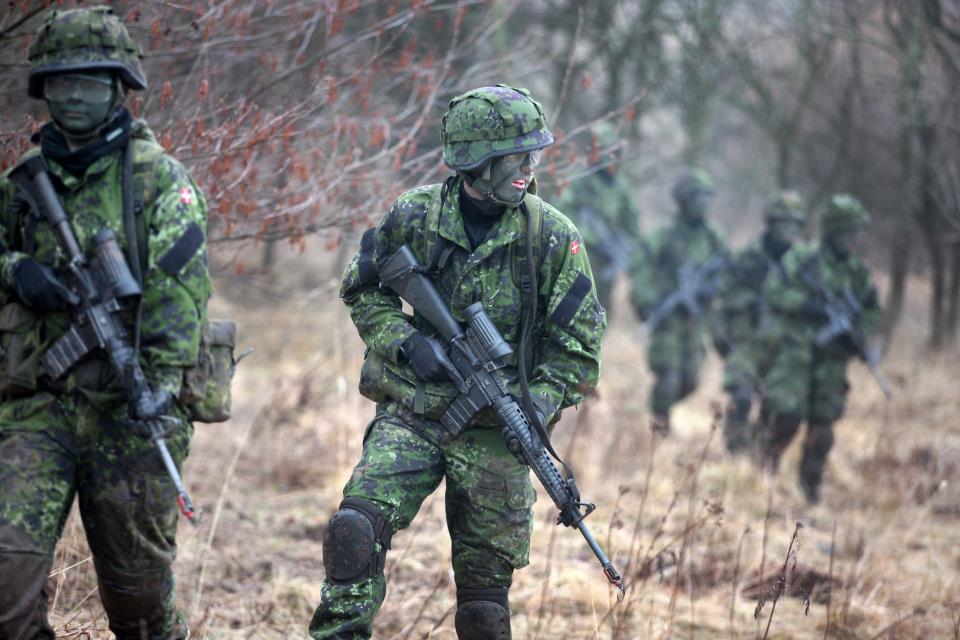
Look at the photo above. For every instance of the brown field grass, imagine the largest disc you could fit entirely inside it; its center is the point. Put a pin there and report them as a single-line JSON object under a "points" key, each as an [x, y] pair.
{"points": [[700, 536]]}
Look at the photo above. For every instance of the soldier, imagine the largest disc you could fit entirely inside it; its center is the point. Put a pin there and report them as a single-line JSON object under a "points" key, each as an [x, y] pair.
{"points": [[73, 436], [676, 350], [807, 381], [476, 231], [743, 336], [603, 208]]}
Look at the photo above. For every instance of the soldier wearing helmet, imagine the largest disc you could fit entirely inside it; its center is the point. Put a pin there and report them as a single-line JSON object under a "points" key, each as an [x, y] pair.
{"points": [[807, 381], [477, 232], [72, 436], [743, 334], [676, 349], [603, 207]]}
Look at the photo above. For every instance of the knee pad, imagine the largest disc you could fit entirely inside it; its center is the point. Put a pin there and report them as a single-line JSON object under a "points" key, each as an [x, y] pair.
{"points": [[138, 602], [483, 614], [355, 543]]}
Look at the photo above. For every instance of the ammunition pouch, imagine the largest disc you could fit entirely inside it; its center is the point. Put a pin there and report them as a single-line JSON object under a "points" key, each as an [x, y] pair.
{"points": [[21, 348], [383, 381], [206, 386]]}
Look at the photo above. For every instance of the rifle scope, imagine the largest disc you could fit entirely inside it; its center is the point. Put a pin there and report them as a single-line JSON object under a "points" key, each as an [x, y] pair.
{"points": [[113, 266], [482, 330]]}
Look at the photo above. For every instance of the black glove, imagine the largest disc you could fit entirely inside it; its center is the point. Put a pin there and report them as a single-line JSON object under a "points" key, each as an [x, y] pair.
{"points": [[39, 288], [153, 404], [426, 356], [513, 443]]}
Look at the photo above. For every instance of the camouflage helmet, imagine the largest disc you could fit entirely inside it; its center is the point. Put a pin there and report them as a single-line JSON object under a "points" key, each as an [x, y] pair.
{"points": [[844, 213], [691, 182], [91, 39], [784, 205], [604, 134], [489, 122]]}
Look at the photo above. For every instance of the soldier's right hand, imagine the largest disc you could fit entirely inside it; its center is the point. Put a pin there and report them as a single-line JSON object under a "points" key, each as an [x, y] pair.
{"points": [[427, 358], [39, 288]]}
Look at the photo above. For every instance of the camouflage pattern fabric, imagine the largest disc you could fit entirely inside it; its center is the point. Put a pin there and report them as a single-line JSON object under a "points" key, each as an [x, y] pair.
{"points": [[805, 382], [489, 501], [55, 446], [88, 39], [492, 121], [676, 349], [603, 208], [488, 492], [745, 335]]}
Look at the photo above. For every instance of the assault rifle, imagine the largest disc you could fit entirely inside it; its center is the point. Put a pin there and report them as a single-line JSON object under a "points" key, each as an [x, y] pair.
{"points": [[695, 282], [474, 354], [104, 285], [843, 319]]}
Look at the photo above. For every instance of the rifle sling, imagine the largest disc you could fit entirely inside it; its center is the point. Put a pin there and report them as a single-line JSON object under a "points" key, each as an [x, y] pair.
{"points": [[130, 230]]}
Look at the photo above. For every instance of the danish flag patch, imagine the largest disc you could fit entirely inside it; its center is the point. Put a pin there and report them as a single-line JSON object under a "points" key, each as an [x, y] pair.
{"points": [[186, 195], [575, 247]]}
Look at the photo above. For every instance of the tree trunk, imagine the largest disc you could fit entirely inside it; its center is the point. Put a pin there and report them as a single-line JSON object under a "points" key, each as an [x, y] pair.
{"points": [[953, 296], [900, 246]]}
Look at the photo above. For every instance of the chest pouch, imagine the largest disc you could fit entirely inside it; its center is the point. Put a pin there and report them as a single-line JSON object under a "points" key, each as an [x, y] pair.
{"points": [[206, 386]]}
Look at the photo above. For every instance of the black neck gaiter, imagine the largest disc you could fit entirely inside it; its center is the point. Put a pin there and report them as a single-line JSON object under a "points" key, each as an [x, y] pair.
{"points": [[479, 216], [112, 137]]}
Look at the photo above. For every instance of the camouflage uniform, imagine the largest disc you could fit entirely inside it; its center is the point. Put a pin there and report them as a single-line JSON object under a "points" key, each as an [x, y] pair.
{"points": [[744, 334], [407, 452], [72, 437], [806, 382], [676, 349], [602, 206]]}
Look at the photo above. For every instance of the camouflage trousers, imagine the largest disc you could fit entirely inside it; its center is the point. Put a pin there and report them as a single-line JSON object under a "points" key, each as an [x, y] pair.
{"points": [[675, 354], [744, 371], [806, 383], [54, 448], [489, 501]]}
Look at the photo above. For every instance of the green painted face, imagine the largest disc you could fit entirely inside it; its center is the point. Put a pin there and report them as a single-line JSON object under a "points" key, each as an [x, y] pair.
{"points": [[80, 102], [784, 231], [846, 241], [695, 206], [510, 176]]}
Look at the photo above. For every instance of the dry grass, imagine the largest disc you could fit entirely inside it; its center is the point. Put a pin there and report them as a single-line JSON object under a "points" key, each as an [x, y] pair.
{"points": [[698, 535]]}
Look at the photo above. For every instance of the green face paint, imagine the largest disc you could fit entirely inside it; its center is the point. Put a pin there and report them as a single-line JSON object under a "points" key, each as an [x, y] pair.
{"points": [[510, 176], [80, 102], [784, 231]]}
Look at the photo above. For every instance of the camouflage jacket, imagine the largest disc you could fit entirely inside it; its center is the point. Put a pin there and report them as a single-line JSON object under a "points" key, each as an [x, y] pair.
{"points": [[741, 303], [604, 211], [790, 292], [655, 274], [569, 324], [176, 284]]}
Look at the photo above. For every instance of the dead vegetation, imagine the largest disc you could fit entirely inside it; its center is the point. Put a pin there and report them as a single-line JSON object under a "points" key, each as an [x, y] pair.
{"points": [[701, 537]]}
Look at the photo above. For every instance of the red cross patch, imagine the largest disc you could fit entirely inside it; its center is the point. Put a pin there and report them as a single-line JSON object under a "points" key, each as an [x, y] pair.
{"points": [[575, 247], [186, 195]]}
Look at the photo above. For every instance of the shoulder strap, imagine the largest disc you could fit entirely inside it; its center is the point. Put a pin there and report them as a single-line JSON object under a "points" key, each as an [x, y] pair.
{"points": [[527, 264], [134, 228], [437, 247]]}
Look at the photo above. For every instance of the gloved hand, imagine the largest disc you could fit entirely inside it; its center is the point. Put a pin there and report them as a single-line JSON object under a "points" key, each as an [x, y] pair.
{"points": [[153, 404], [513, 443], [39, 288], [426, 357]]}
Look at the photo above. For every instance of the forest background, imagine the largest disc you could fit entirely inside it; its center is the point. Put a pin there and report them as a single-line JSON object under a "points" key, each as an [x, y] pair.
{"points": [[302, 120]]}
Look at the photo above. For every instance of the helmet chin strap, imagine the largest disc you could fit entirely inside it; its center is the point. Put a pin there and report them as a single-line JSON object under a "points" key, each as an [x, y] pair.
{"points": [[80, 140], [483, 182]]}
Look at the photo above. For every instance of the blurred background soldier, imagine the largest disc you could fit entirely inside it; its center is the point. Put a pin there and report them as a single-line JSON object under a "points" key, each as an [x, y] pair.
{"points": [[819, 288], [672, 288], [602, 206], [744, 336], [73, 436], [472, 231]]}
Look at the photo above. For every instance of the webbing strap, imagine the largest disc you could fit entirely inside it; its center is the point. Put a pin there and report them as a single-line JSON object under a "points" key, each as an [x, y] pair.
{"points": [[133, 238]]}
